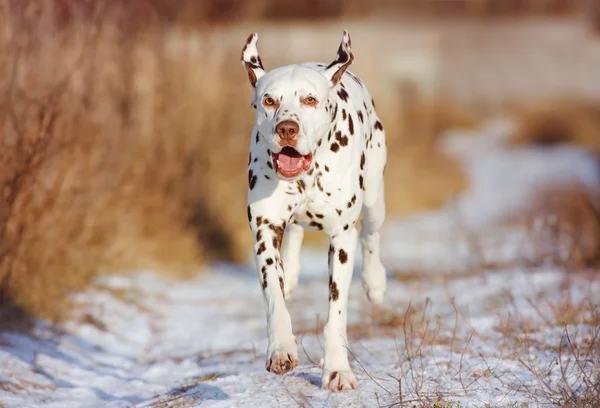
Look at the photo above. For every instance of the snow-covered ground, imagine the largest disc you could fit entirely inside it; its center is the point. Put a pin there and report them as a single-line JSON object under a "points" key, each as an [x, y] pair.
{"points": [[501, 337]]}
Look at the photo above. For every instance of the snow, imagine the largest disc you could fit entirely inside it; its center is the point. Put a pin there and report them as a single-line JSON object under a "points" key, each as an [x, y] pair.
{"points": [[145, 340]]}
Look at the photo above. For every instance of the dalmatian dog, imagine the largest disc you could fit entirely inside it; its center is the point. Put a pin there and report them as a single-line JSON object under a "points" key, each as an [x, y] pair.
{"points": [[317, 159]]}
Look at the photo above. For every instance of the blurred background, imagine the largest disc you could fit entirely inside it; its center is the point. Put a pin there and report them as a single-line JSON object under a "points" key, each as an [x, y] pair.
{"points": [[124, 125]]}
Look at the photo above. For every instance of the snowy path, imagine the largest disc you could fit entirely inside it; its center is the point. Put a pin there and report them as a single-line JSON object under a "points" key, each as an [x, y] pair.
{"points": [[202, 342], [497, 337]]}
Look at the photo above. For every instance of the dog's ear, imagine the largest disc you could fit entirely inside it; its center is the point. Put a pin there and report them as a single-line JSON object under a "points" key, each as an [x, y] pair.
{"points": [[251, 60], [343, 59]]}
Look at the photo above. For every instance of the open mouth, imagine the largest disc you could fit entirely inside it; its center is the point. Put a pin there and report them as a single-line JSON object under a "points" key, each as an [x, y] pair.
{"points": [[289, 163]]}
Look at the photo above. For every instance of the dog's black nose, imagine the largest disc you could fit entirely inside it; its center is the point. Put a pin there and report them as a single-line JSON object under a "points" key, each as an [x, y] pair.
{"points": [[288, 131]]}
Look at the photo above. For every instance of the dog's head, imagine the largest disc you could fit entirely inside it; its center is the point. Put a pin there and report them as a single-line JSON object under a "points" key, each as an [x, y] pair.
{"points": [[292, 105]]}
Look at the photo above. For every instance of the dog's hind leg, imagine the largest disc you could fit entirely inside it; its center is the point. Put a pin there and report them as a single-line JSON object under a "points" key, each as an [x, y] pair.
{"points": [[292, 243], [373, 212]]}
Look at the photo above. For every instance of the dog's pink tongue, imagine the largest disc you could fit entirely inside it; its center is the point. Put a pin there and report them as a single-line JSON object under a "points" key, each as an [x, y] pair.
{"points": [[288, 163]]}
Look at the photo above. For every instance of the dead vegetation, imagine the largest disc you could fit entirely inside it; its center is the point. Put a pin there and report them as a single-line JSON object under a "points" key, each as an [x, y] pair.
{"points": [[570, 121], [108, 154], [545, 354], [564, 227]]}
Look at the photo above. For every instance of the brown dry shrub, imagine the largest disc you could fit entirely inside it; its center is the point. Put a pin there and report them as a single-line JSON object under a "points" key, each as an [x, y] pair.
{"points": [[563, 226], [116, 153], [573, 122], [419, 175]]}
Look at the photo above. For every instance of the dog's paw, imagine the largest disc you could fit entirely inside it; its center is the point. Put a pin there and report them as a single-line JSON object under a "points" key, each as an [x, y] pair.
{"points": [[339, 380], [374, 282], [376, 296], [282, 361]]}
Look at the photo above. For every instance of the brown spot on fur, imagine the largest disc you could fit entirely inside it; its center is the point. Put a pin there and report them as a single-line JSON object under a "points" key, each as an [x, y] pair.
{"points": [[315, 224], [319, 216], [257, 137], [262, 248], [319, 186], [329, 259], [326, 168], [259, 221], [251, 179], [301, 185], [281, 286], [269, 165], [249, 214], [338, 211], [258, 235], [346, 227], [343, 94], [378, 125], [344, 113], [363, 160], [360, 182], [289, 207], [343, 140], [343, 256], [269, 261], [350, 124], [278, 238], [361, 117], [264, 276], [334, 292], [335, 147]]}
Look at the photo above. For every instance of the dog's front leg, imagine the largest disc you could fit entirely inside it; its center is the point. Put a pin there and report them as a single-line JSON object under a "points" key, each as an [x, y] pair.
{"points": [[282, 355], [337, 374]]}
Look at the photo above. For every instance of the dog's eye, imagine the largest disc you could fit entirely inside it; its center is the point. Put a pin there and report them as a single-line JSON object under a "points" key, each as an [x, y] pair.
{"points": [[309, 100], [268, 101]]}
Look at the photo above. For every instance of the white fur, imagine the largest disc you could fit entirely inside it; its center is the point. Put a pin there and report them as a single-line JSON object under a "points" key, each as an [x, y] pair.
{"points": [[328, 197]]}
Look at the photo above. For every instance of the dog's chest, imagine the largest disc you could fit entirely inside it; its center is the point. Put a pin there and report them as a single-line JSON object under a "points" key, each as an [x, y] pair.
{"points": [[324, 202]]}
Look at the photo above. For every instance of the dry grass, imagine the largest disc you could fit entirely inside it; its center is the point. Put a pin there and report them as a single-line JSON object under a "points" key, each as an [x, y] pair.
{"points": [[563, 227], [110, 148], [419, 175], [567, 121], [566, 332]]}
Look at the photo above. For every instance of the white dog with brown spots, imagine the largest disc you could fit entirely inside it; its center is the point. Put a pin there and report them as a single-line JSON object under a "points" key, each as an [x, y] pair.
{"points": [[317, 159]]}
